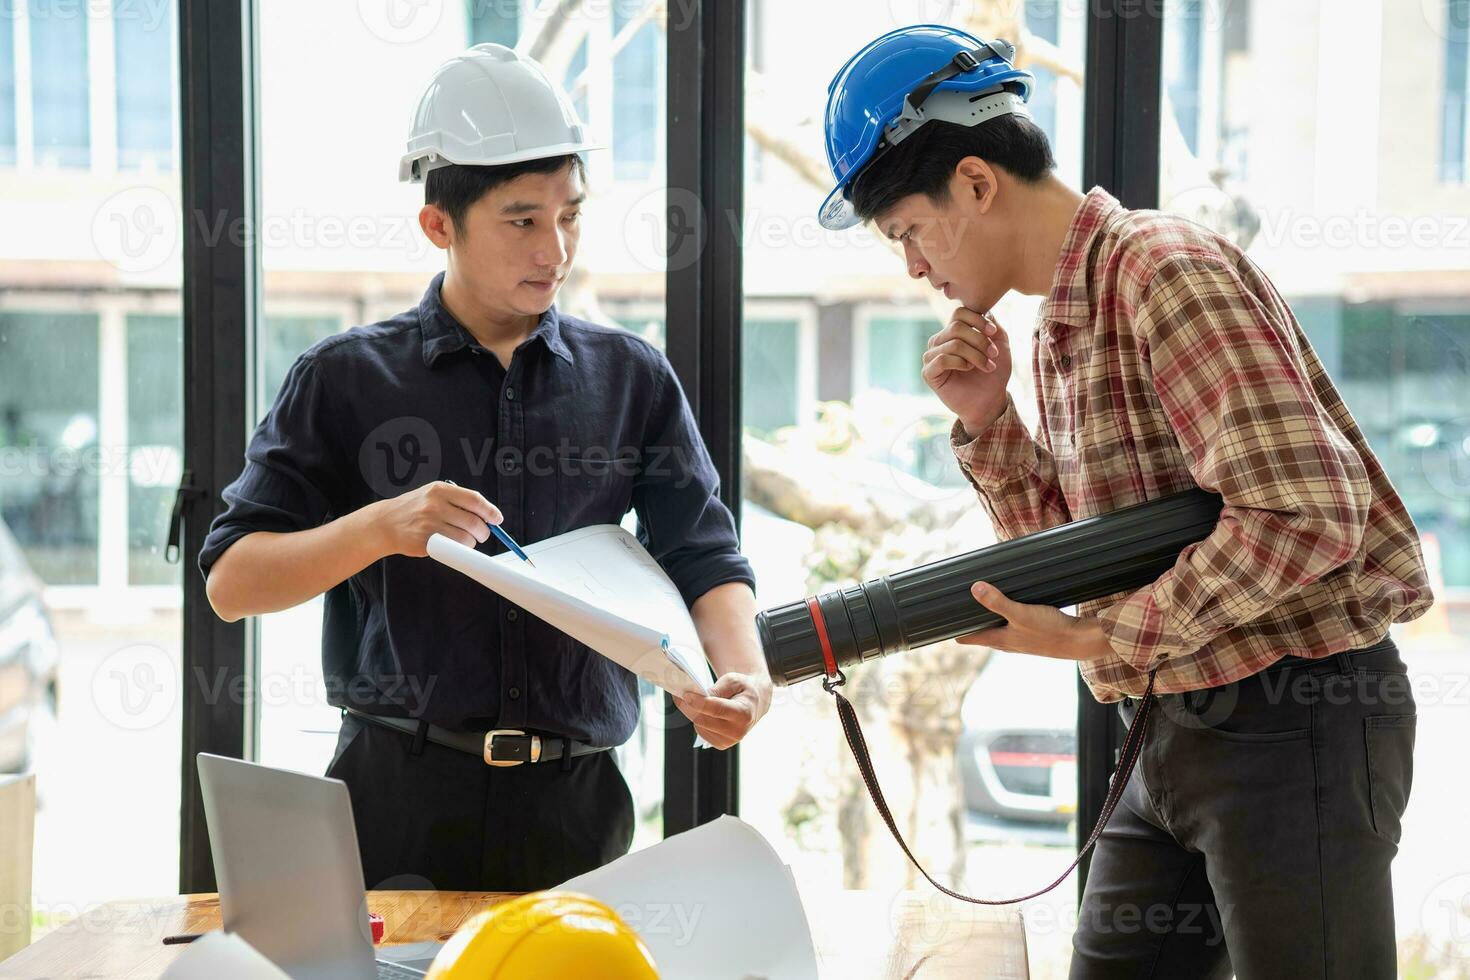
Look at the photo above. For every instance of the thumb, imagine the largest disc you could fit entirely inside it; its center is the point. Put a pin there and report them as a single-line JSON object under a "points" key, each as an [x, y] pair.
{"points": [[728, 686], [991, 598]]}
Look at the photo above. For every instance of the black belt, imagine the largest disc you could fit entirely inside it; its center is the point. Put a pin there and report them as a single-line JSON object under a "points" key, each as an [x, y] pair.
{"points": [[498, 747]]}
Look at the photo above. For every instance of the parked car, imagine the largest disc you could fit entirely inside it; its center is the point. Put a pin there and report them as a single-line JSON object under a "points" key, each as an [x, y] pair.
{"points": [[1018, 752], [28, 655]]}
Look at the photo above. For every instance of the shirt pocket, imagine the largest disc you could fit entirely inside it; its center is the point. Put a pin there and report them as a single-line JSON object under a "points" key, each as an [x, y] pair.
{"points": [[593, 487], [1105, 459]]}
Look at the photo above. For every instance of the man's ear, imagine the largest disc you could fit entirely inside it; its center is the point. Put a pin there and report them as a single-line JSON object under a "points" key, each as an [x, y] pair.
{"points": [[975, 181], [437, 225]]}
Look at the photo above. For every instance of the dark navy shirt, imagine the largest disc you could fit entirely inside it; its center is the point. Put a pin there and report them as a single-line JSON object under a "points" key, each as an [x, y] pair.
{"points": [[585, 423]]}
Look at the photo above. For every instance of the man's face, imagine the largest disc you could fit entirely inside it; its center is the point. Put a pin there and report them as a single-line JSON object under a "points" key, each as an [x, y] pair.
{"points": [[518, 241], [952, 243]]}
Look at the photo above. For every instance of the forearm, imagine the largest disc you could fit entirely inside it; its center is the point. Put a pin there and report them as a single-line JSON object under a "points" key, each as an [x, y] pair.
{"points": [[725, 619], [266, 572], [1013, 474]]}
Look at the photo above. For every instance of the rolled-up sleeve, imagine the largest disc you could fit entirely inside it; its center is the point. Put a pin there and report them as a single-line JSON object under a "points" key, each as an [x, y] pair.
{"points": [[681, 519], [1232, 383], [292, 472]]}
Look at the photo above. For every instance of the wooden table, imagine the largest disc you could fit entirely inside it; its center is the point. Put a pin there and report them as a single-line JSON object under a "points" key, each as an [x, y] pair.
{"points": [[857, 935]]}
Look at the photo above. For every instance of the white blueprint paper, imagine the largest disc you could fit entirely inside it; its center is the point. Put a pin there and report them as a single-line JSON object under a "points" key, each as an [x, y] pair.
{"points": [[712, 902], [601, 587]]}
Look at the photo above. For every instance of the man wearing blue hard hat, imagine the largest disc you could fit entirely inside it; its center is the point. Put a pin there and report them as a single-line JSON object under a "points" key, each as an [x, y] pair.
{"points": [[1257, 831]]}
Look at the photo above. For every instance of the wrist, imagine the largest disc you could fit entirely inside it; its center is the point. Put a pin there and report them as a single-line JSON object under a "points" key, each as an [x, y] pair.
{"points": [[368, 527], [975, 425], [1090, 640]]}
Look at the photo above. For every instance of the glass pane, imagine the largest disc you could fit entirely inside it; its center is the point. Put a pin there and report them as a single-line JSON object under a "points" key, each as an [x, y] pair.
{"points": [[51, 384], [60, 115], [342, 245], [91, 393], [7, 92], [144, 39], [156, 434], [1371, 257], [849, 475]]}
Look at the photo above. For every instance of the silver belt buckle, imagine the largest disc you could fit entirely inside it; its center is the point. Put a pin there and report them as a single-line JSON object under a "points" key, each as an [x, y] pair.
{"points": [[490, 759]]}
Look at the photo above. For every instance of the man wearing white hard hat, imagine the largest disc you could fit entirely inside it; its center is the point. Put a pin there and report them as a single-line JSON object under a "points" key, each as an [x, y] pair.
{"points": [[484, 405]]}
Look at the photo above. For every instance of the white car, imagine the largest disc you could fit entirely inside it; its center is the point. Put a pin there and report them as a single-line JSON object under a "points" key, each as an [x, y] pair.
{"points": [[1018, 752]]}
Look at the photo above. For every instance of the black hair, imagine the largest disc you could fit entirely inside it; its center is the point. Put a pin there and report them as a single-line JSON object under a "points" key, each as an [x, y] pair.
{"points": [[925, 162], [456, 187]]}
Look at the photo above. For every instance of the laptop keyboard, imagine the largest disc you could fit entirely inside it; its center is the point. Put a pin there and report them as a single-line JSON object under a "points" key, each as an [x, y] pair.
{"points": [[392, 971]]}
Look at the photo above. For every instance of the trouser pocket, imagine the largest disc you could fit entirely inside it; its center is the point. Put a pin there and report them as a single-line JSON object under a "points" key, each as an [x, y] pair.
{"points": [[1390, 740]]}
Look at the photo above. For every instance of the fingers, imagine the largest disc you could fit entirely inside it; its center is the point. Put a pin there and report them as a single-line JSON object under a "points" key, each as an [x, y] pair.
{"points": [[463, 521], [468, 500], [722, 722], [717, 709], [457, 534], [981, 356], [968, 317]]}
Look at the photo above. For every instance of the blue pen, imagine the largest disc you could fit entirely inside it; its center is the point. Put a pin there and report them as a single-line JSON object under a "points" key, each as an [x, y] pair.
{"points": [[504, 538]]}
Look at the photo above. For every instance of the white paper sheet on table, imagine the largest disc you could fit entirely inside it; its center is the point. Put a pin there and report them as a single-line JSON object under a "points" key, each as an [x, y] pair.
{"points": [[222, 956], [715, 902], [601, 587]]}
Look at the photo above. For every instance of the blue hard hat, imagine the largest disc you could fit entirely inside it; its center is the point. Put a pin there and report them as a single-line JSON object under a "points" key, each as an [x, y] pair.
{"points": [[902, 80]]}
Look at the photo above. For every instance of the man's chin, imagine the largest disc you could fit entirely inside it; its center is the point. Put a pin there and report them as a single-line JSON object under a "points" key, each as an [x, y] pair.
{"points": [[534, 301]]}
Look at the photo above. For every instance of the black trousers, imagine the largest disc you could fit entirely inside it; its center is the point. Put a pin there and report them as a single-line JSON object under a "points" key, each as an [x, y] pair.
{"points": [[1258, 828], [443, 819]]}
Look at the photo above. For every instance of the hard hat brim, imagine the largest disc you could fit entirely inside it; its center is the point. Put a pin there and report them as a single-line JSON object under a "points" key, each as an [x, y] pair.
{"points": [[406, 172], [837, 212]]}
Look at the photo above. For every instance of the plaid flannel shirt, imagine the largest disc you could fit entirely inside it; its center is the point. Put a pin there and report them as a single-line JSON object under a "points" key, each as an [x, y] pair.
{"points": [[1164, 358]]}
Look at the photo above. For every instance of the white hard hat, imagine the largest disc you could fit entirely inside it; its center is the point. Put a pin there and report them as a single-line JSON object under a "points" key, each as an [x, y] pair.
{"points": [[490, 106]]}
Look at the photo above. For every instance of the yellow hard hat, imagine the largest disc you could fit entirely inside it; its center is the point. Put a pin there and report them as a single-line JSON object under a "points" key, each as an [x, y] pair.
{"points": [[545, 936]]}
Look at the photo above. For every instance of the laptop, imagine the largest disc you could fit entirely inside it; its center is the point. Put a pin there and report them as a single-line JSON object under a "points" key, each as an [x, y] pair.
{"points": [[289, 873]]}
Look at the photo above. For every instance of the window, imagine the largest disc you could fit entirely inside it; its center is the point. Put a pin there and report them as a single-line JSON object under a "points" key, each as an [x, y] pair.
{"points": [[894, 346], [145, 108], [91, 395], [576, 68], [637, 84], [772, 361], [61, 117], [1454, 137], [155, 372], [871, 443], [341, 246], [1363, 256], [1044, 22], [49, 377], [7, 92], [284, 340], [1182, 29], [494, 21]]}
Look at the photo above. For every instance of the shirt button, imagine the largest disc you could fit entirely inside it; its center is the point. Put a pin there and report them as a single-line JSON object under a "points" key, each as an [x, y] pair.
{"points": [[1066, 360], [510, 394], [514, 693], [513, 615]]}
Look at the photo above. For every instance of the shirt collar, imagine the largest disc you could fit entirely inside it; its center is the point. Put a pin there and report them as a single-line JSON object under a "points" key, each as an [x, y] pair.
{"points": [[1067, 301], [443, 334]]}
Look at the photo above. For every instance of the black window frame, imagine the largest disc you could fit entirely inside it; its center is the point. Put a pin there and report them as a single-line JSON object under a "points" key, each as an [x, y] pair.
{"points": [[705, 79]]}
